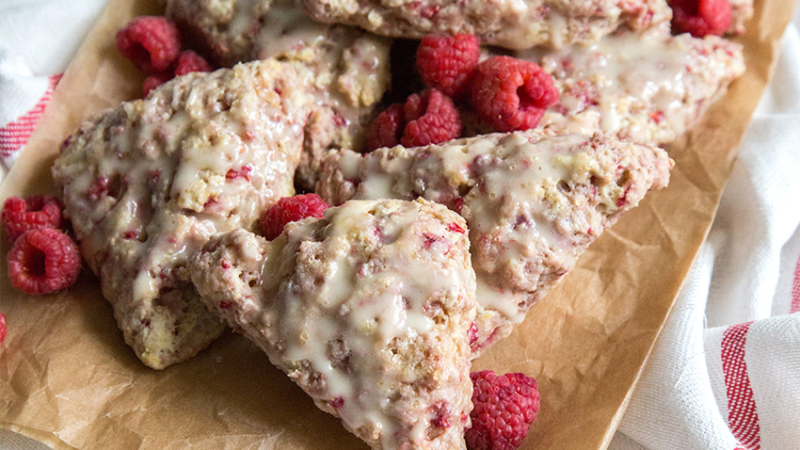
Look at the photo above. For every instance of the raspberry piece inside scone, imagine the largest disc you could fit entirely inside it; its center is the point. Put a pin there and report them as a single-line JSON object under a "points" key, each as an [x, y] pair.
{"points": [[151, 42], [20, 215], [445, 62], [43, 261], [504, 407], [189, 61], [431, 118], [3, 328], [701, 17], [511, 94], [386, 129], [290, 209]]}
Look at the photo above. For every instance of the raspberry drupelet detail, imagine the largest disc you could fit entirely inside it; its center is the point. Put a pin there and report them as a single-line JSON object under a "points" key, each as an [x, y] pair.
{"points": [[386, 129], [151, 42], [445, 62], [426, 118], [505, 406], [701, 17], [43, 261], [2, 327], [39, 211], [189, 61], [431, 118], [511, 94], [290, 209]]}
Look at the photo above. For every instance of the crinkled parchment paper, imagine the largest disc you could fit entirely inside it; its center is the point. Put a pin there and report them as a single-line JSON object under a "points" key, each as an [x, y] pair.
{"points": [[67, 378]]}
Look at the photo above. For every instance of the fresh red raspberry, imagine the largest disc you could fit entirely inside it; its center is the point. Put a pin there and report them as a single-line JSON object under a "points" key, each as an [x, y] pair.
{"points": [[427, 118], [511, 94], [290, 209], [431, 118], [386, 129], [154, 81], [39, 211], [505, 406], [151, 42], [2, 327], [43, 261], [701, 17], [189, 61], [445, 62]]}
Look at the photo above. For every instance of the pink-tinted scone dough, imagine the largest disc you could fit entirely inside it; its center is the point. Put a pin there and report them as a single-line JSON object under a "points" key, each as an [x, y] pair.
{"points": [[350, 67], [646, 90], [514, 24], [367, 309], [147, 183], [533, 202]]}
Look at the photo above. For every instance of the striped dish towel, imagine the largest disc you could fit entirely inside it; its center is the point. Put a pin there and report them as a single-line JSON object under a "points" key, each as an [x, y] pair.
{"points": [[32, 61], [18, 127]]}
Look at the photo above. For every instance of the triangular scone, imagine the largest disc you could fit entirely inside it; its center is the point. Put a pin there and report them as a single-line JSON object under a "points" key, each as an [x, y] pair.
{"points": [[506, 23], [146, 184], [351, 67], [367, 309], [646, 90], [532, 202]]}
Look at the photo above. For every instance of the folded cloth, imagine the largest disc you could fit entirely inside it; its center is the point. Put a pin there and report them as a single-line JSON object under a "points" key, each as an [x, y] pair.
{"points": [[725, 371], [24, 97], [31, 61]]}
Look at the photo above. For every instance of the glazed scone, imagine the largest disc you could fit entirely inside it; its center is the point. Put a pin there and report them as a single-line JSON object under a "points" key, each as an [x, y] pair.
{"points": [[532, 201], [511, 24], [350, 67], [146, 184], [649, 91], [367, 309]]}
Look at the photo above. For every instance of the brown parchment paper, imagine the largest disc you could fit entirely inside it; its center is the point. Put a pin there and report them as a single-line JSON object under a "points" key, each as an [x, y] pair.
{"points": [[68, 379]]}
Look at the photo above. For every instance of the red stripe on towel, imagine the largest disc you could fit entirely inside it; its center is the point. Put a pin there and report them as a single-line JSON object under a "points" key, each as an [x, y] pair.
{"points": [[742, 413], [795, 307], [15, 134]]}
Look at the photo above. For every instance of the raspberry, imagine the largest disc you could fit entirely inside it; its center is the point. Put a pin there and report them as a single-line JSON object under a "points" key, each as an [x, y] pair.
{"points": [[43, 261], [431, 118], [427, 118], [2, 327], [385, 130], [39, 211], [511, 94], [290, 209], [445, 62], [701, 17], [189, 61], [154, 81], [505, 406], [151, 42]]}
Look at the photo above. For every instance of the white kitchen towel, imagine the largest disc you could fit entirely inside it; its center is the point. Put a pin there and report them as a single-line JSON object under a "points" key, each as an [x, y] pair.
{"points": [[725, 373], [37, 40]]}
